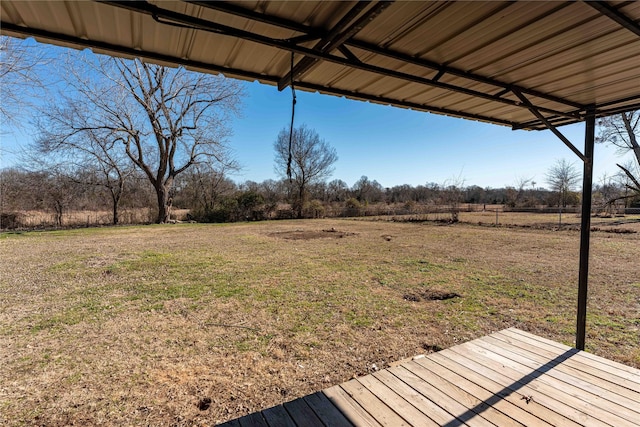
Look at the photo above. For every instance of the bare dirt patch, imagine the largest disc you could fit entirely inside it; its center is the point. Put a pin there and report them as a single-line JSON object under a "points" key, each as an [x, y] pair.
{"points": [[311, 234], [145, 325], [430, 295]]}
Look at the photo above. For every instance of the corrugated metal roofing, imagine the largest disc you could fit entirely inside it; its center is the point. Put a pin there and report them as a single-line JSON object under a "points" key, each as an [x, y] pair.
{"points": [[479, 60]]}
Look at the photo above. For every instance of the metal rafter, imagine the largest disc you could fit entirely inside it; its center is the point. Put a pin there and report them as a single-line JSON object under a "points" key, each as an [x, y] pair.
{"points": [[613, 13], [604, 110], [260, 17], [538, 125], [336, 37], [348, 54], [131, 52], [442, 69], [323, 45], [174, 18], [548, 124], [459, 73], [390, 101]]}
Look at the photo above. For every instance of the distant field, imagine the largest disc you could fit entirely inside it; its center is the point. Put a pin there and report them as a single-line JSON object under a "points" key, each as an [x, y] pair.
{"points": [[43, 219], [469, 213], [554, 221], [137, 325]]}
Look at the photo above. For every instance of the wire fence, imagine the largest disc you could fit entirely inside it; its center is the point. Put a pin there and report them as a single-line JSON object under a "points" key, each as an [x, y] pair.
{"points": [[33, 220], [468, 212]]}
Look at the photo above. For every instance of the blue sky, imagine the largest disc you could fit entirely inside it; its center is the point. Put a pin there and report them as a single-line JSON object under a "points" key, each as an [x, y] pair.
{"points": [[391, 145], [397, 146]]}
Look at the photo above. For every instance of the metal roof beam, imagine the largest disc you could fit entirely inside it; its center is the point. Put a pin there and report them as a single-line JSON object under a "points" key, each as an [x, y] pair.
{"points": [[348, 54], [324, 45], [276, 21], [549, 125], [456, 72], [260, 17], [336, 37], [181, 20], [130, 52], [618, 110], [407, 104], [302, 39], [613, 13], [441, 73], [615, 105], [605, 109], [538, 125]]}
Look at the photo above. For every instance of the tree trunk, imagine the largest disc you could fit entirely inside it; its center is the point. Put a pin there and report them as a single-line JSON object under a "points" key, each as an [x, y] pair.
{"points": [[301, 201], [633, 142], [115, 199], [58, 210], [164, 205], [116, 218]]}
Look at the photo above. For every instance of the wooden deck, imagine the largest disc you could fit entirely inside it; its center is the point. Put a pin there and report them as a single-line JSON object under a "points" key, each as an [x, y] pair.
{"points": [[509, 378]]}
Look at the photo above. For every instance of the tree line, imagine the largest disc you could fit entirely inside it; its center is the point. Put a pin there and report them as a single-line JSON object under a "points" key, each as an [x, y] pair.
{"points": [[205, 195]]}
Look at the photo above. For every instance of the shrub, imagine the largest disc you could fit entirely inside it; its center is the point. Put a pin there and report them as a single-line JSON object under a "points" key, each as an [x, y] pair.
{"points": [[9, 220], [314, 209]]}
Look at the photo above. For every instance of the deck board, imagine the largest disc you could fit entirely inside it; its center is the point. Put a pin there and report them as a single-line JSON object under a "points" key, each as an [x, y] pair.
{"points": [[407, 411], [437, 415], [480, 413], [607, 369], [510, 384], [300, 410], [509, 378], [509, 394], [278, 416], [616, 398], [566, 392], [350, 407], [325, 410], [613, 383], [378, 408], [589, 391], [506, 411]]}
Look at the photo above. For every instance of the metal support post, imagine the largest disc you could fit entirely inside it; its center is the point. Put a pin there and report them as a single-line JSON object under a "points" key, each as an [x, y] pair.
{"points": [[585, 228]]}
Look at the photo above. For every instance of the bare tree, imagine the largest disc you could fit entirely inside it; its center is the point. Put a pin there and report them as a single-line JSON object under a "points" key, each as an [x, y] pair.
{"points": [[606, 193], [337, 190], [515, 195], [563, 177], [272, 191], [451, 195], [202, 187], [307, 157], [66, 135], [622, 131], [164, 120], [20, 61], [48, 190], [367, 191], [14, 196]]}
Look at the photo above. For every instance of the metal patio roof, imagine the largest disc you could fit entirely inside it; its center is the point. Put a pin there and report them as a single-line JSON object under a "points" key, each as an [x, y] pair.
{"points": [[522, 64]]}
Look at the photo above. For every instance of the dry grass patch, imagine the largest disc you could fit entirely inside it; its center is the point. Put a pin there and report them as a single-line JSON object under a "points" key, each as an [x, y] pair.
{"points": [[614, 224], [306, 234], [195, 324]]}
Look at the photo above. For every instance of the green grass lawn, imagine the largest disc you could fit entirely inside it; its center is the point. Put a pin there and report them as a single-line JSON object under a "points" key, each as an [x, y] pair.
{"points": [[134, 325]]}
